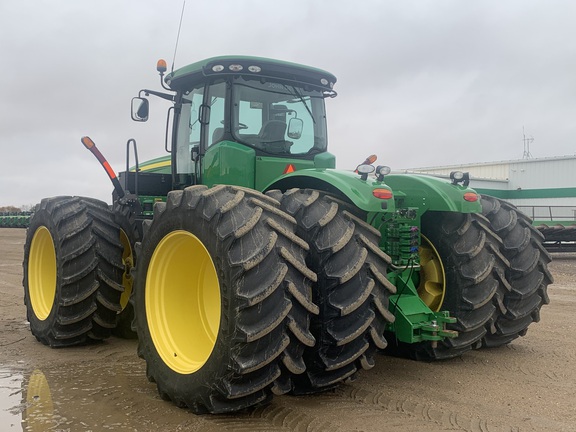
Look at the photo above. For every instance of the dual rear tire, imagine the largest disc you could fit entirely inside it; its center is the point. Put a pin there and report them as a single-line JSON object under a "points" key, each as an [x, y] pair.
{"points": [[223, 298], [493, 279], [72, 271]]}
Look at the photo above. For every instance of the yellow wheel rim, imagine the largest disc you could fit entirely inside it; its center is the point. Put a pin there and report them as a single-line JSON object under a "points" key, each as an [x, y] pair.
{"points": [[128, 261], [182, 302], [432, 287], [42, 273]]}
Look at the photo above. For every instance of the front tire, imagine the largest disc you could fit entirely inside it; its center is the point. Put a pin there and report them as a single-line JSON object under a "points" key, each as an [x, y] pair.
{"points": [[220, 274]]}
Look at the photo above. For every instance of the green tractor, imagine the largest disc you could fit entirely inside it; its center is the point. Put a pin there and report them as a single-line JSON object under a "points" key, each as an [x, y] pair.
{"points": [[248, 266]]}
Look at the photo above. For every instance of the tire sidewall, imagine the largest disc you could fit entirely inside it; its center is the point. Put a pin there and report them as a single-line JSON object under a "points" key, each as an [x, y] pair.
{"points": [[42, 328], [215, 365]]}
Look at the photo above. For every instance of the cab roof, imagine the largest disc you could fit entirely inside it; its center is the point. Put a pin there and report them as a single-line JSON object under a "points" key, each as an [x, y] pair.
{"points": [[250, 66]]}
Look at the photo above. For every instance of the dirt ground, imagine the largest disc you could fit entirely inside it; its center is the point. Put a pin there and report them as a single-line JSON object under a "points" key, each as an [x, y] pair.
{"points": [[529, 385]]}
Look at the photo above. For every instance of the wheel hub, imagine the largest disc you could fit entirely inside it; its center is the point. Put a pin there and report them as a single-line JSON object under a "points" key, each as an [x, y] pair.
{"points": [[182, 302], [432, 287], [42, 270]]}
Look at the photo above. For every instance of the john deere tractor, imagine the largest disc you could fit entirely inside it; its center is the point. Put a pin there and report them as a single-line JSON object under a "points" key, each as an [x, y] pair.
{"points": [[247, 265]]}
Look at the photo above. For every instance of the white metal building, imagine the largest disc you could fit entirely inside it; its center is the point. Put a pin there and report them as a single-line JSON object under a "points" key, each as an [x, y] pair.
{"points": [[543, 188]]}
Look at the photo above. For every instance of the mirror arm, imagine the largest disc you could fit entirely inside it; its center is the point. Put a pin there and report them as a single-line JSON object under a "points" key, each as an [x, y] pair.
{"points": [[166, 96]]}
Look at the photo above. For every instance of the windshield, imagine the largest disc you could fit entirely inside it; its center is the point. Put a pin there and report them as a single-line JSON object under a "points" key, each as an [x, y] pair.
{"points": [[278, 118]]}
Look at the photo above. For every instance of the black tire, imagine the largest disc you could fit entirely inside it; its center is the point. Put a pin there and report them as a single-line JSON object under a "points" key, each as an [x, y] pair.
{"points": [[527, 272], [72, 265], [352, 290], [474, 281], [256, 327], [125, 218]]}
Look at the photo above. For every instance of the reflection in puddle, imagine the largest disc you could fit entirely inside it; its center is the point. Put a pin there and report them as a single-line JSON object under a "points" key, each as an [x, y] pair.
{"points": [[111, 394], [74, 397], [10, 399], [38, 408], [25, 402]]}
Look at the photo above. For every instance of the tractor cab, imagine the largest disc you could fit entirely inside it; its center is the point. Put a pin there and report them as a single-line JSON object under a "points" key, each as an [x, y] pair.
{"points": [[243, 120]]}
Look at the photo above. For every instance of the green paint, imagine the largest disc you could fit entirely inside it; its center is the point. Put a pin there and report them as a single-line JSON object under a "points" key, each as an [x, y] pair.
{"points": [[345, 184], [552, 223], [229, 163], [529, 193], [415, 322], [160, 165], [430, 193], [268, 169]]}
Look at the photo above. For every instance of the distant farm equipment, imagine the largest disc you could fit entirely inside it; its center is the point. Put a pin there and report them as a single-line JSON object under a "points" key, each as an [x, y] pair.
{"points": [[15, 219], [556, 223]]}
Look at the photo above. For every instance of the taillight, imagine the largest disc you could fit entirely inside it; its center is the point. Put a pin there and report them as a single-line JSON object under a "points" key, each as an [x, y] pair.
{"points": [[471, 197], [382, 193]]}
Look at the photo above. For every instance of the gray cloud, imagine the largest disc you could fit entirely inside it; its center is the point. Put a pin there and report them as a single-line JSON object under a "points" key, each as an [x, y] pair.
{"points": [[420, 82]]}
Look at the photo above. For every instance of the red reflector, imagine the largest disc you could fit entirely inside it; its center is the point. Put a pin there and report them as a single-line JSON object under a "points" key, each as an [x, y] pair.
{"points": [[382, 193], [109, 170], [471, 197], [289, 168]]}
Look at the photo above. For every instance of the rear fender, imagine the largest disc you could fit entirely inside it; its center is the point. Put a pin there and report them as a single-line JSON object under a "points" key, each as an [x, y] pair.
{"points": [[347, 185], [432, 194]]}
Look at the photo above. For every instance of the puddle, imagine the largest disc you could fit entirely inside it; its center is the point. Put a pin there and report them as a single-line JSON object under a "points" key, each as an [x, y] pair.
{"points": [[106, 394], [80, 397], [106, 391], [10, 400]]}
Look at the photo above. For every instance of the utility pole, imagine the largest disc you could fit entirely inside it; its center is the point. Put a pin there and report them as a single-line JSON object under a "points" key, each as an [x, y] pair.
{"points": [[527, 141]]}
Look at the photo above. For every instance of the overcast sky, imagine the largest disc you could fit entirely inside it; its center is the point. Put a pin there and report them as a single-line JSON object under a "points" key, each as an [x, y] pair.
{"points": [[420, 83]]}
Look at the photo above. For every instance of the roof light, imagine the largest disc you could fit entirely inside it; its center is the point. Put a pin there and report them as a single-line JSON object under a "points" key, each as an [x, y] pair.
{"points": [[381, 171], [382, 193], [235, 67], [254, 69], [217, 68], [460, 177], [364, 170], [161, 66], [456, 175], [471, 197], [324, 81]]}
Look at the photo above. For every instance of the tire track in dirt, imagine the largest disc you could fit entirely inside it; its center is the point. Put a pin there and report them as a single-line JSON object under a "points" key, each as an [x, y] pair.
{"points": [[282, 418], [521, 361], [423, 411]]}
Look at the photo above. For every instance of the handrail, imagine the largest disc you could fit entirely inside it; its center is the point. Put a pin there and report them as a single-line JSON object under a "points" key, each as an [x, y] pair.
{"points": [[551, 215]]}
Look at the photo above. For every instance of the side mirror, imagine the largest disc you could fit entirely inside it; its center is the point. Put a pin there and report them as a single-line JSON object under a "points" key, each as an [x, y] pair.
{"points": [[295, 127], [140, 108]]}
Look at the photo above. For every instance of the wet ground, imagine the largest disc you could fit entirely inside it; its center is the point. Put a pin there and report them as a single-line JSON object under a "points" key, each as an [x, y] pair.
{"points": [[529, 385]]}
